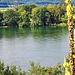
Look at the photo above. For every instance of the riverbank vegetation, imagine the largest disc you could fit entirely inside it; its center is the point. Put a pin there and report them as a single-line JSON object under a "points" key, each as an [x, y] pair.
{"points": [[36, 69], [33, 16]]}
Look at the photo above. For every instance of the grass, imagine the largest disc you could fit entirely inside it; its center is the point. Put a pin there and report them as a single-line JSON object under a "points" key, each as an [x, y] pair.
{"points": [[74, 16], [4, 9]]}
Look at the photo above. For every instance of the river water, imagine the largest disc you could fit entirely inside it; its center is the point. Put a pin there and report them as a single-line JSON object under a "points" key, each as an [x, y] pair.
{"points": [[47, 45]]}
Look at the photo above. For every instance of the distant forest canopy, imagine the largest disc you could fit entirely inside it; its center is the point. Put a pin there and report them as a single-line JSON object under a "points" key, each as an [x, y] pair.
{"points": [[9, 3], [42, 2], [33, 15], [30, 1]]}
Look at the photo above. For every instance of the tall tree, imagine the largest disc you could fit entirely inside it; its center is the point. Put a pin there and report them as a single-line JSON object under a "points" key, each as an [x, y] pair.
{"points": [[40, 16], [10, 18], [1, 18]]}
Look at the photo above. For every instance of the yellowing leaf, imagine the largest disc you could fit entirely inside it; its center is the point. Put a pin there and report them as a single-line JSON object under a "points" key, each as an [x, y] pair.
{"points": [[67, 73], [73, 55], [67, 1], [70, 38], [66, 64], [71, 63], [69, 14], [64, 60], [69, 10]]}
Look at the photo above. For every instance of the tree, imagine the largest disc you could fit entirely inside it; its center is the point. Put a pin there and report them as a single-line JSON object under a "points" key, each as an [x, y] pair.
{"points": [[24, 17], [27, 8], [20, 8], [10, 18], [24, 20], [40, 16], [56, 11], [1, 18]]}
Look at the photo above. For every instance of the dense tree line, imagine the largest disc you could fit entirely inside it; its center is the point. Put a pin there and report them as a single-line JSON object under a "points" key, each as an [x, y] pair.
{"points": [[32, 15]]}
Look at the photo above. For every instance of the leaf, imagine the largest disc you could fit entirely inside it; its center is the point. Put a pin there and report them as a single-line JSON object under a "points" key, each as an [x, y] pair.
{"points": [[66, 64], [70, 39], [73, 55], [67, 1], [67, 73]]}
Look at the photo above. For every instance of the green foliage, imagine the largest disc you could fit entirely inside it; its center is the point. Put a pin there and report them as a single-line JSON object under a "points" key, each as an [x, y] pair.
{"points": [[36, 69], [24, 20], [27, 8], [10, 70], [47, 15], [24, 17], [1, 68], [10, 18], [57, 11], [20, 8], [32, 15], [1, 18], [40, 16]]}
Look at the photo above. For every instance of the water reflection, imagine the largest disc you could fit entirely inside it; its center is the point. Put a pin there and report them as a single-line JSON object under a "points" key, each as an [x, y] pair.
{"points": [[13, 32], [49, 31], [36, 32], [48, 45]]}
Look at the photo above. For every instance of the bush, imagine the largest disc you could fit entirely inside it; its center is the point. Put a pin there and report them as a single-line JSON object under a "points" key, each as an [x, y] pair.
{"points": [[36, 69], [10, 70], [24, 16], [10, 18], [1, 18], [24, 20], [57, 11], [40, 16]]}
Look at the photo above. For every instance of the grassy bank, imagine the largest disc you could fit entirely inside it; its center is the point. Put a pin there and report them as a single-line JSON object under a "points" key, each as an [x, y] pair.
{"points": [[5, 9]]}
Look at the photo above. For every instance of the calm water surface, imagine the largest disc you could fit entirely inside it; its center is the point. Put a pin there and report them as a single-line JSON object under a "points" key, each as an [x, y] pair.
{"points": [[46, 45]]}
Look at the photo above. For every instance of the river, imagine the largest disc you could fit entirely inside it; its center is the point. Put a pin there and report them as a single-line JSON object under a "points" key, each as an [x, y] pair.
{"points": [[47, 45]]}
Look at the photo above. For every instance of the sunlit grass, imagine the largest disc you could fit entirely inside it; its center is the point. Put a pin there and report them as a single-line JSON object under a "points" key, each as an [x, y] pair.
{"points": [[74, 16], [4, 9]]}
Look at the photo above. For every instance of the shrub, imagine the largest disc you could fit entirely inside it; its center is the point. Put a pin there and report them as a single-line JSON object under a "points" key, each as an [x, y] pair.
{"points": [[35, 69], [40, 16], [1, 18], [38, 70], [10, 18], [57, 11]]}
